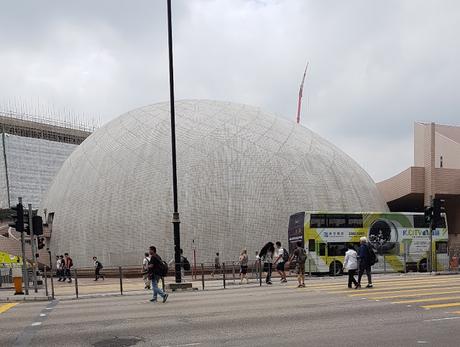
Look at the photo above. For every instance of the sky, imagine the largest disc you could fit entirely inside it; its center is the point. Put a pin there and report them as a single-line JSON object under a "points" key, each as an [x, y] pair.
{"points": [[375, 67]]}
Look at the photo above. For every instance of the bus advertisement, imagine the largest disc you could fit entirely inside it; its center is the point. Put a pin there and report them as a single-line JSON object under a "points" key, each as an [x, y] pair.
{"points": [[400, 240]]}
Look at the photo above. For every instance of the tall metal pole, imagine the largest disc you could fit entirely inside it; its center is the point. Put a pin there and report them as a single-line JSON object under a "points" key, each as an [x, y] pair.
{"points": [[32, 243], [25, 273], [175, 218]]}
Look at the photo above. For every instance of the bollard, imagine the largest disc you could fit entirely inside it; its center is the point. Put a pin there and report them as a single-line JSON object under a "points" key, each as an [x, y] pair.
{"points": [[335, 269], [120, 272], [405, 263], [52, 286], [46, 283], [202, 275], [76, 284], [384, 264], [223, 273], [260, 273], [233, 271], [309, 268]]}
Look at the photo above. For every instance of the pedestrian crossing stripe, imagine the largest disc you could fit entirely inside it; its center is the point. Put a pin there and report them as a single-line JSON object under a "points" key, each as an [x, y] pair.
{"points": [[413, 295], [372, 292], [450, 304], [414, 301], [6, 307], [388, 283], [396, 287]]}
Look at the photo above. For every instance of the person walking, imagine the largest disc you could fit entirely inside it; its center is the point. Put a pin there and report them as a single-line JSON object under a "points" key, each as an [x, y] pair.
{"points": [[280, 260], [216, 264], [299, 256], [184, 263], [145, 271], [244, 266], [59, 266], [155, 274], [257, 265], [351, 264], [68, 267], [97, 269], [364, 262], [266, 255]]}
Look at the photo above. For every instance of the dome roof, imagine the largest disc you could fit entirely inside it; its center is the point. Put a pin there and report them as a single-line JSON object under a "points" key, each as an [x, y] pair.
{"points": [[241, 173]]}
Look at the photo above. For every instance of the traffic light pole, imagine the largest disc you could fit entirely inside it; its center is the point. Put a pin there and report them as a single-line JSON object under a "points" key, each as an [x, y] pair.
{"points": [[32, 243], [175, 219], [431, 247], [25, 273]]}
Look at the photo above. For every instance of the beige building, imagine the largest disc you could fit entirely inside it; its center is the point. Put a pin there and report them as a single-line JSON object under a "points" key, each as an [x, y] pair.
{"points": [[436, 173]]}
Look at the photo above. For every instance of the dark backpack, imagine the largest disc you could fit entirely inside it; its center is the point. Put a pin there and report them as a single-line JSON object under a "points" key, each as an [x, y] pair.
{"points": [[372, 256], [99, 265], [285, 255], [185, 264], [162, 269], [302, 256]]}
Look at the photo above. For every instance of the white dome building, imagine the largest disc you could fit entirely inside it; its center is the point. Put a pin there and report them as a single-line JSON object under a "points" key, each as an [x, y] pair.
{"points": [[241, 174]]}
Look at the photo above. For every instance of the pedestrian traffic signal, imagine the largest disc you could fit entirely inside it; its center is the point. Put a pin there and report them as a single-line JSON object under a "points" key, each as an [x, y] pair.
{"points": [[18, 218], [438, 210], [26, 222], [428, 214], [37, 225], [41, 242]]}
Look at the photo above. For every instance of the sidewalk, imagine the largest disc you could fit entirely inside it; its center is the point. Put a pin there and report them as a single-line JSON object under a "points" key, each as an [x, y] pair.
{"points": [[7, 295]]}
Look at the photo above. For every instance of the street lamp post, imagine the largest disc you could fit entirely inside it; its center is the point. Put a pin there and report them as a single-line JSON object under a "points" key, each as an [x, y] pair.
{"points": [[175, 218]]}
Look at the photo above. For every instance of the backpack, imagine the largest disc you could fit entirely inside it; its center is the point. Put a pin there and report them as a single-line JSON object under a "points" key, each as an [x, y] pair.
{"points": [[185, 264], [372, 257], [99, 265], [162, 269], [302, 257], [70, 263], [285, 255]]}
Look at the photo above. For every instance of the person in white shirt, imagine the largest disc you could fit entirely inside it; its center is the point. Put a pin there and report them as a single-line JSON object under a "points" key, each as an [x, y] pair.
{"points": [[351, 264], [280, 261], [145, 270]]}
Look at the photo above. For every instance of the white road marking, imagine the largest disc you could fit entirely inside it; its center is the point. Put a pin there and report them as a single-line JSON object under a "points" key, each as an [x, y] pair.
{"points": [[186, 345], [422, 342], [34, 324], [49, 308], [42, 314], [440, 319]]}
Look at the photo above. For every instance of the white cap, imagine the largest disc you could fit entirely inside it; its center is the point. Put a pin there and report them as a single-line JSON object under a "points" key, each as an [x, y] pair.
{"points": [[363, 239]]}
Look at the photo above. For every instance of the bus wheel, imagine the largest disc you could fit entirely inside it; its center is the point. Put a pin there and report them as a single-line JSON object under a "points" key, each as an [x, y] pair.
{"points": [[423, 265], [336, 268]]}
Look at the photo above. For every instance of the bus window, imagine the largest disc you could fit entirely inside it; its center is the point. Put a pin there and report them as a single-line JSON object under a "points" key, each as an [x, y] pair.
{"points": [[318, 221], [311, 245], [441, 247], [355, 221], [322, 249], [336, 221], [335, 249]]}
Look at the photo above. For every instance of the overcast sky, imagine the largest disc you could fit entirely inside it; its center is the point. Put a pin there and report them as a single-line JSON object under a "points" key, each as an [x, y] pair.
{"points": [[375, 66]]}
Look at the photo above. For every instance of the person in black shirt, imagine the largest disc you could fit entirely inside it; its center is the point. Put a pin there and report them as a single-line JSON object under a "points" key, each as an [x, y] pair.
{"points": [[154, 264]]}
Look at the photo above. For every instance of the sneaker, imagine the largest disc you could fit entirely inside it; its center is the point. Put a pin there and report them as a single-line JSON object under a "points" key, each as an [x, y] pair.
{"points": [[69, 281], [165, 298], [299, 286], [358, 286], [153, 300], [303, 285], [370, 285], [284, 281], [269, 283]]}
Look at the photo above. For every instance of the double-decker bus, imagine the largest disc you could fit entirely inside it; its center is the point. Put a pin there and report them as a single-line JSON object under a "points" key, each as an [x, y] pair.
{"points": [[400, 240]]}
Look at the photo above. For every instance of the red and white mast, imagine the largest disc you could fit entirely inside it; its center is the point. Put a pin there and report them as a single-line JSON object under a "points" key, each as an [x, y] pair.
{"points": [[299, 102]]}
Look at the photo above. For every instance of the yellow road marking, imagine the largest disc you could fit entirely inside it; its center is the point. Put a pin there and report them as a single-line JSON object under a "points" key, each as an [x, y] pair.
{"points": [[372, 292], [413, 301], [6, 307], [413, 295], [451, 304], [338, 288], [394, 280]]}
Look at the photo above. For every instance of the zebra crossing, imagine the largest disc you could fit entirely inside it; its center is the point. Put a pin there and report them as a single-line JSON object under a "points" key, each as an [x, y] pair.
{"points": [[424, 291]]}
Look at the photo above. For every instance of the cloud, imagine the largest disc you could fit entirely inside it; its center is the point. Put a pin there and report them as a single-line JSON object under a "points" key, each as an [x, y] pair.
{"points": [[375, 67]]}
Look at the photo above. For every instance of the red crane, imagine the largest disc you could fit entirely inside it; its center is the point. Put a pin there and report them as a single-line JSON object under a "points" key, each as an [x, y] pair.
{"points": [[299, 102]]}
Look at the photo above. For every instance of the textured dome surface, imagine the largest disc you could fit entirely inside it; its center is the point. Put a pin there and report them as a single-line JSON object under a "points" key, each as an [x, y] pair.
{"points": [[241, 174]]}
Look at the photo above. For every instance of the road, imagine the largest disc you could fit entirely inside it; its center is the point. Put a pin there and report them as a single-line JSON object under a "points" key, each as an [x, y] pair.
{"points": [[398, 311]]}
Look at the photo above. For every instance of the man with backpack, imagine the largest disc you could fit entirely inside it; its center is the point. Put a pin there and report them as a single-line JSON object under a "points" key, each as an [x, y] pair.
{"points": [[281, 257], [367, 258], [184, 263], [97, 269], [157, 269], [299, 256]]}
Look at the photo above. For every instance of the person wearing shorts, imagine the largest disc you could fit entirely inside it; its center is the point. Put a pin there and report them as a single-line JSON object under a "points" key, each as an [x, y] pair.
{"points": [[299, 256], [244, 266], [279, 262]]}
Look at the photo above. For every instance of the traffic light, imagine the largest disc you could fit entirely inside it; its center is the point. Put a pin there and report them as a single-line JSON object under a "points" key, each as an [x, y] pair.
{"points": [[438, 210], [41, 242], [428, 214], [18, 218], [37, 225], [26, 222]]}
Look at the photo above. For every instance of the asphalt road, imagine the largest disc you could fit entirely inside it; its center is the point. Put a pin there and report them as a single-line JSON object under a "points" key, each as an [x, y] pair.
{"points": [[399, 311]]}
